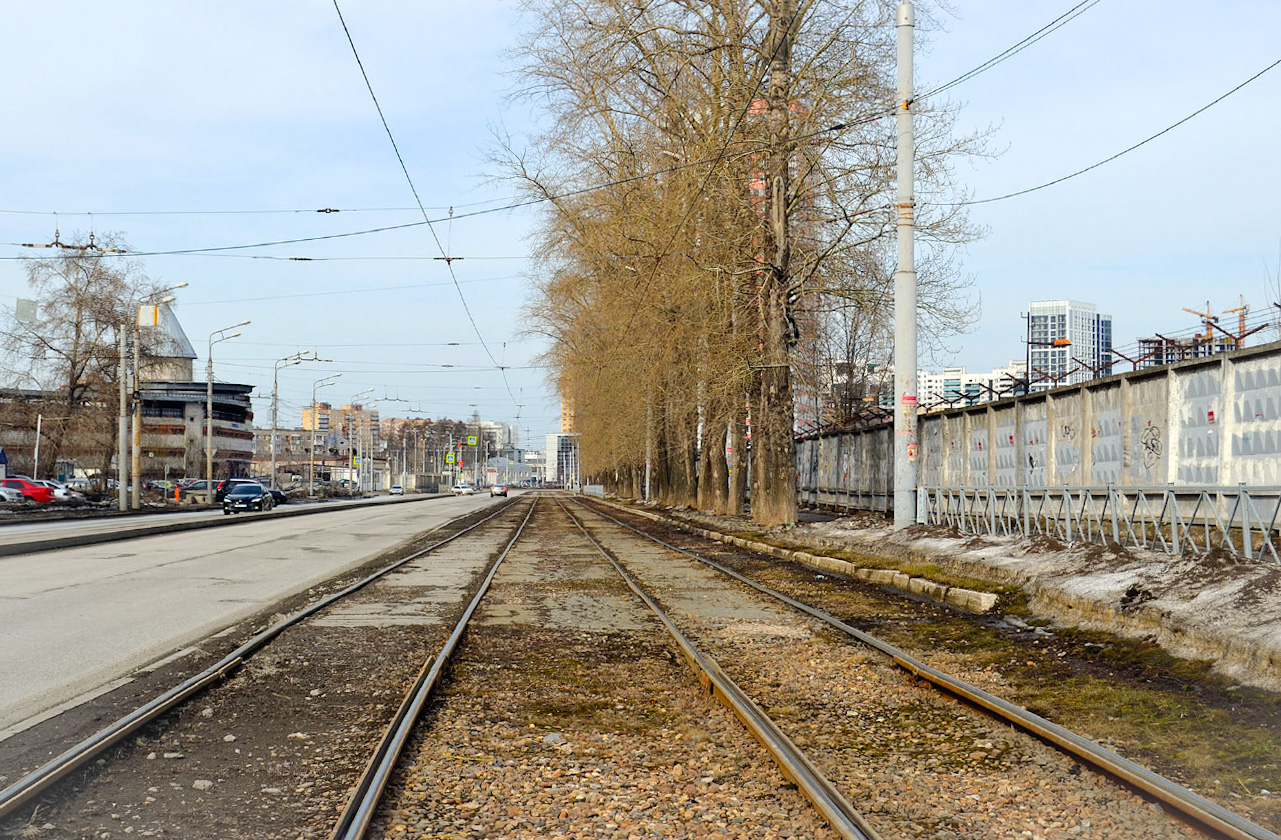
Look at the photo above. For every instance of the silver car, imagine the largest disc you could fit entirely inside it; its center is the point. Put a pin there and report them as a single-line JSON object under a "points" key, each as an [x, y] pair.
{"points": [[62, 493]]}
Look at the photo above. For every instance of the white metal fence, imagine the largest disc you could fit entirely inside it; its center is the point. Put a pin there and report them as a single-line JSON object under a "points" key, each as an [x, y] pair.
{"points": [[1239, 521]]}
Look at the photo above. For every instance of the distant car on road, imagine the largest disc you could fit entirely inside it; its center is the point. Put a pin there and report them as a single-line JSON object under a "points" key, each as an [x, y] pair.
{"points": [[397, 490], [462, 489], [247, 496], [29, 489], [498, 490]]}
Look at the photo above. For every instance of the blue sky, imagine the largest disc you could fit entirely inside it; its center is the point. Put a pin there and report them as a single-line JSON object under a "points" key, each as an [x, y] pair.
{"points": [[236, 106]]}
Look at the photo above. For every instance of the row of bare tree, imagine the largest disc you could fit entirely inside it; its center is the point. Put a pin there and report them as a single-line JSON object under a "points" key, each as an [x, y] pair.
{"points": [[718, 178]]}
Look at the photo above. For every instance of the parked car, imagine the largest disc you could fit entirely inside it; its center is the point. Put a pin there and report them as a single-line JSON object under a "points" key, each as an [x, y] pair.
{"points": [[462, 489], [247, 495], [63, 493], [12, 496], [397, 490], [29, 489], [498, 490], [228, 484], [279, 497], [199, 488]]}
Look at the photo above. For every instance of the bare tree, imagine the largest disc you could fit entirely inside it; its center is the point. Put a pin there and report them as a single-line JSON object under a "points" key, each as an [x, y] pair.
{"points": [[85, 296], [743, 178]]}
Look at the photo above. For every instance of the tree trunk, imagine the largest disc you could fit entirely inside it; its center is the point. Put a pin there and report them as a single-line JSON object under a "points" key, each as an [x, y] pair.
{"points": [[773, 440], [738, 466]]}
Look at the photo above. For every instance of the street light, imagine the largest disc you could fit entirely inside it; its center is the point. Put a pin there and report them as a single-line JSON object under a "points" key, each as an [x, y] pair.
{"points": [[209, 489], [360, 441], [323, 382], [136, 459], [122, 443], [295, 359]]}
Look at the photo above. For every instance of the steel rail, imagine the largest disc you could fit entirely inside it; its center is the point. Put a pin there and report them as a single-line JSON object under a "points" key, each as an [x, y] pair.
{"points": [[359, 813], [840, 814], [1179, 798], [57, 769]]}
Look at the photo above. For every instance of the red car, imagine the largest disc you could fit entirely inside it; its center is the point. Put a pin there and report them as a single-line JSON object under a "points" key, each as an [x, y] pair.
{"points": [[30, 490]]}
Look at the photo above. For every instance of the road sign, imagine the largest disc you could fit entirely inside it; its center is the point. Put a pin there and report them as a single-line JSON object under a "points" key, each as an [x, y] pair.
{"points": [[449, 457], [471, 440]]}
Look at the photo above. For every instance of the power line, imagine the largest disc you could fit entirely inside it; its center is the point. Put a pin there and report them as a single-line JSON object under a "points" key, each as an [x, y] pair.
{"points": [[1060, 21], [1144, 142], [359, 291], [449, 262]]}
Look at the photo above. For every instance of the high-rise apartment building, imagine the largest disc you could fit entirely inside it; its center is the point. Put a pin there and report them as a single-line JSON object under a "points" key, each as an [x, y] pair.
{"points": [[1067, 342], [566, 417]]}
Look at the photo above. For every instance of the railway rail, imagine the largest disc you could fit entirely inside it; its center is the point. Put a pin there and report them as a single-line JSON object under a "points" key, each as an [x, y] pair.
{"points": [[560, 710]]}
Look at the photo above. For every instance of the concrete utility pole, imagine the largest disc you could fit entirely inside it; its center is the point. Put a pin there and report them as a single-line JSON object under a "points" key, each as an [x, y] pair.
{"points": [[323, 382], [209, 447], [905, 402], [295, 359], [122, 422]]}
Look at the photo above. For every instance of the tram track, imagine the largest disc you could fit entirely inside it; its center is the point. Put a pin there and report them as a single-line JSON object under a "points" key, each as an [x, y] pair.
{"points": [[566, 712], [273, 665], [1211, 817]]}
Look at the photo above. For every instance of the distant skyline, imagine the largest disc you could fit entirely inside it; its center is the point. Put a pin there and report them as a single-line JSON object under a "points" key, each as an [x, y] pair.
{"points": [[194, 127]]}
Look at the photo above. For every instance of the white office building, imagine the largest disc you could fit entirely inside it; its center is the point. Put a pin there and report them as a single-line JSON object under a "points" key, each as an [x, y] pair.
{"points": [[956, 386], [1083, 336], [562, 460]]}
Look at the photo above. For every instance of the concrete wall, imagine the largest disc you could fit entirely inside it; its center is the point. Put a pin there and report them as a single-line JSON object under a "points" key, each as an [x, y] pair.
{"points": [[1205, 422]]}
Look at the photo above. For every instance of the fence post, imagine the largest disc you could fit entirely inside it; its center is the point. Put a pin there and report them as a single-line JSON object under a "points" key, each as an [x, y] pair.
{"points": [[1116, 513], [1243, 505], [1067, 507]]}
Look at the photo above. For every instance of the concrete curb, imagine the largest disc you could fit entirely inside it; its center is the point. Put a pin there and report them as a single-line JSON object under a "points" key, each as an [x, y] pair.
{"points": [[128, 533], [966, 599]]}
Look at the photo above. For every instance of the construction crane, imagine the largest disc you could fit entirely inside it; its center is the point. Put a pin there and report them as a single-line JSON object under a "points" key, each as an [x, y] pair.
{"points": [[1242, 311], [1207, 318]]}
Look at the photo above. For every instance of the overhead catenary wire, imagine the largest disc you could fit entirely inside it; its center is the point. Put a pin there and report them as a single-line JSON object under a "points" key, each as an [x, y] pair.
{"points": [[510, 204], [1119, 154], [1060, 21], [449, 264], [882, 113]]}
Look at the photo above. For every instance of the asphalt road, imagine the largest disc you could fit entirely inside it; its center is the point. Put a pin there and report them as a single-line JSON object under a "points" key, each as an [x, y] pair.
{"points": [[76, 621]]}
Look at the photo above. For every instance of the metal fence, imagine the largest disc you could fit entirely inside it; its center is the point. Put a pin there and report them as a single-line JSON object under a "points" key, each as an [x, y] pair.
{"points": [[1176, 520]]}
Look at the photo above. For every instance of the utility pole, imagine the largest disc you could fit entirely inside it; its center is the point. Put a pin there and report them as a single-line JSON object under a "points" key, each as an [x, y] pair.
{"points": [[122, 432], [905, 442], [150, 314], [295, 359], [135, 415]]}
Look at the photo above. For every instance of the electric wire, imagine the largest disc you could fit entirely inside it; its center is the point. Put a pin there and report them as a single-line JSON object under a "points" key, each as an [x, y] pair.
{"points": [[1060, 21], [336, 292], [1121, 153], [449, 263]]}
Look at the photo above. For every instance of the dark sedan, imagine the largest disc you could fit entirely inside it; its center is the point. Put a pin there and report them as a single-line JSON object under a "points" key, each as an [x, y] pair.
{"points": [[247, 497]]}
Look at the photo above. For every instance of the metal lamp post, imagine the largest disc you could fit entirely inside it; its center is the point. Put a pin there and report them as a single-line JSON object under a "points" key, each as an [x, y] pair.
{"points": [[359, 434], [295, 359], [214, 337], [323, 382], [122, 440], [136, 459]]}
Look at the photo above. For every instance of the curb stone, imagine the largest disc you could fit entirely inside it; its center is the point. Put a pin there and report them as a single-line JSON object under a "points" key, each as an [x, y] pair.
{"points": [[966, 599]]}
